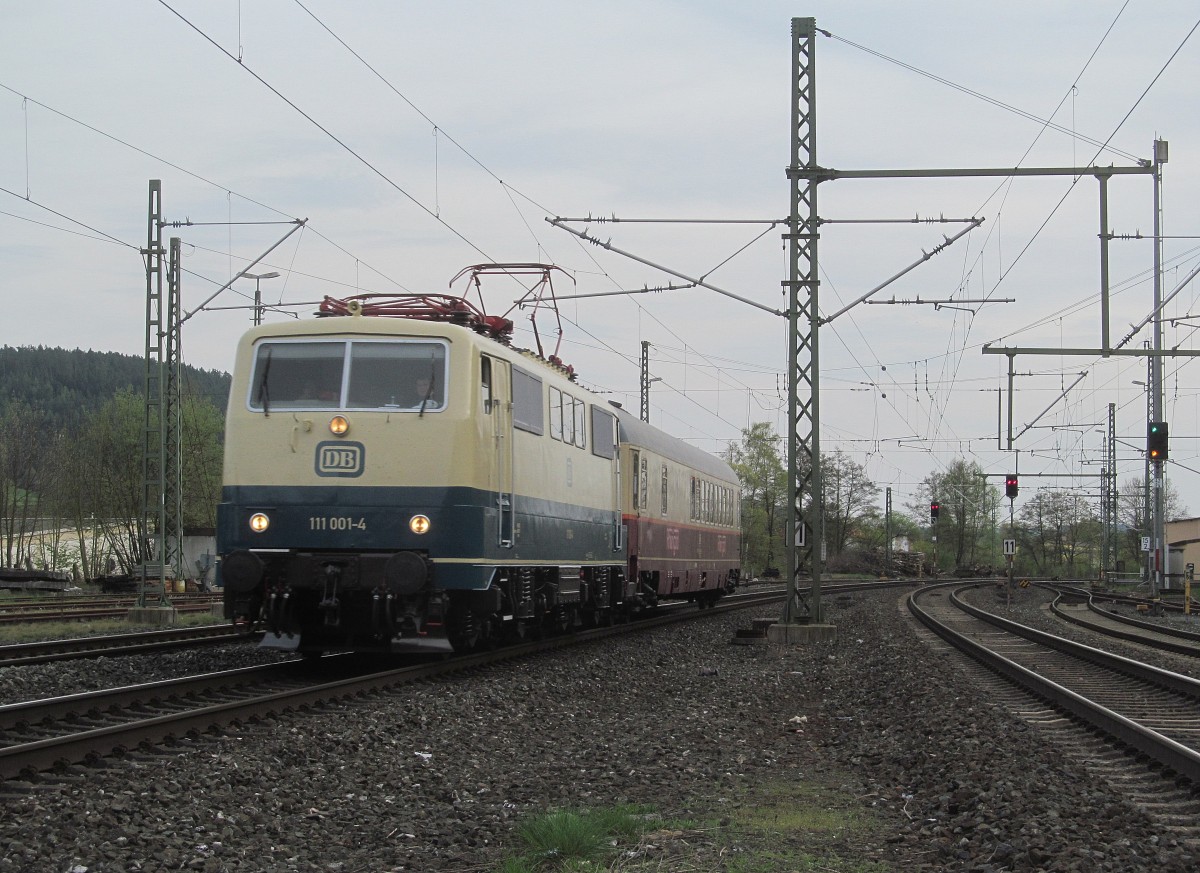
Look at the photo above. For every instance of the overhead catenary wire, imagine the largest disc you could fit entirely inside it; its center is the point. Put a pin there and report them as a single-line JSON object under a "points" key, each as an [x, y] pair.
{"points": [[1101, 146], [941, 378]]}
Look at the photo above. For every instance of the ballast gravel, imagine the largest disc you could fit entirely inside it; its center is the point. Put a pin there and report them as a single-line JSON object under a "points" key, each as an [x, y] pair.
{"points": [[438, 776]]}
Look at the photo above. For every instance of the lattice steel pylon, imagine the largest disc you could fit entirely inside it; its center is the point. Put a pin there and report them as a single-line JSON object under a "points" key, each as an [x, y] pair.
{"points": [[805, 512], [160, 526]]}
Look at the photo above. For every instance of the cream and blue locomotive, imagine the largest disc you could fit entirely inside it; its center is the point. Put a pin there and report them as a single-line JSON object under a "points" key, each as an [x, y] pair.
{"points": [[415, 483]]}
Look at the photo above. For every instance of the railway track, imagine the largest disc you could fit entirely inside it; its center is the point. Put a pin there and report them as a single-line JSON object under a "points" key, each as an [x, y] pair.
{"points": [[1135, 725], [43, 734], [113, 645], [74, 610], [1081, 608]]}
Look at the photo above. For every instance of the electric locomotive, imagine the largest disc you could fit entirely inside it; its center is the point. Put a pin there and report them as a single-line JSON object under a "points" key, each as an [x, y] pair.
{"points": [[415, 483]]}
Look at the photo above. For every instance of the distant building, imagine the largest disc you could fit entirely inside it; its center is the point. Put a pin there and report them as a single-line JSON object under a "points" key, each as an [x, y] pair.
{"points": [[199, 548], [1183, 548]]}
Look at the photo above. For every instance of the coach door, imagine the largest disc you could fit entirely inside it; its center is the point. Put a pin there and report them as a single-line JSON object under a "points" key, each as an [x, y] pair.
{"points": [[497, 405]]}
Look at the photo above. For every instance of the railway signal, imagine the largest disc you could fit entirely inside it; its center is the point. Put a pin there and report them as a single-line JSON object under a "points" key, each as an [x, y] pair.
{"points": [[1010, 486], [1156, 440], [933, 510]]}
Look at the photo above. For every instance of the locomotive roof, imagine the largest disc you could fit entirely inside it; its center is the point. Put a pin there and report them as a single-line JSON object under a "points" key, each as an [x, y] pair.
{"points": [[637, 432]]}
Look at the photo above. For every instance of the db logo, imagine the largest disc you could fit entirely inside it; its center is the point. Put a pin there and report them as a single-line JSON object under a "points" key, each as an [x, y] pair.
{"points": [[340, 459], [672, 539]]}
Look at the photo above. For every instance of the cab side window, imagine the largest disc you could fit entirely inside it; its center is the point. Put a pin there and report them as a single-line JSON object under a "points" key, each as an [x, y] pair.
{"points": [[485, 383], [527, 402]]}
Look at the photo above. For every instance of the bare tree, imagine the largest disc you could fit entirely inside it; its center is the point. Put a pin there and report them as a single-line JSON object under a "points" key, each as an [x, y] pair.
{"points": [[1060, 533], [111, 446], [26, 449], [849, 498], [1131, 517]]}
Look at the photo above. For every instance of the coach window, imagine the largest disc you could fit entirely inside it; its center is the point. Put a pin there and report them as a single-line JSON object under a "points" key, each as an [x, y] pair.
{"points": [[644, 476], [636, 462], [664, 489]]}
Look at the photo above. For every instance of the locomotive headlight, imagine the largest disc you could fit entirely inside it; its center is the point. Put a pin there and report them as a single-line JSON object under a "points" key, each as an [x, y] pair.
{"points": [[259, 522], [419, 524], [338, 425]]}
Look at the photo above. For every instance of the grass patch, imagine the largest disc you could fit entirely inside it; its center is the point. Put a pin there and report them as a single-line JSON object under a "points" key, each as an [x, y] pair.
{"points": [[782, 828], [69, 630], [802, 808], [577, 842], [799, 827]]}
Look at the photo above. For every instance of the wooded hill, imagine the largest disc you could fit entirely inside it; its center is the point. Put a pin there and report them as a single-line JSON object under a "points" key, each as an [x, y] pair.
{"points": [[67, 385]]}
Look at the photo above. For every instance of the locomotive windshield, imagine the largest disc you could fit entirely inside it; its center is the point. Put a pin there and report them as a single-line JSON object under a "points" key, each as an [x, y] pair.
{"points": [[402, 375]]}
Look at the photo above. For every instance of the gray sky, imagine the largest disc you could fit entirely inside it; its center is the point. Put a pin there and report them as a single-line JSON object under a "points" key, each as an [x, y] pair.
{"points": [[474, 122]]}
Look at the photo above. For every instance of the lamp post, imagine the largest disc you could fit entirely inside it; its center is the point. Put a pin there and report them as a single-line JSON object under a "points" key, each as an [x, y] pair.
{"points": [[258, 309]]}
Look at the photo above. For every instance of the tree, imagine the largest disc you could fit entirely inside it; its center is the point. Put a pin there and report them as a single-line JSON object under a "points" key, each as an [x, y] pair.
{"points": [[1060, 533], [764, 480], [1131, 517], [26, 470], [202, 426], [111, 447], [965, 527], [849, 499]]}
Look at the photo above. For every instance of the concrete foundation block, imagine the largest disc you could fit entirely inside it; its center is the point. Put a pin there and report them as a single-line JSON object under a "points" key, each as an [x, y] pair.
{"points": [[801, 634], [162, 616]]}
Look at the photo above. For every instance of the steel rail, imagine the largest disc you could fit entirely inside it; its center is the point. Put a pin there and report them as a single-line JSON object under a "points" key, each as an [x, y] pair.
{"points": [[1134, 630], [37, 755], [1175, 756], [114, 645]]}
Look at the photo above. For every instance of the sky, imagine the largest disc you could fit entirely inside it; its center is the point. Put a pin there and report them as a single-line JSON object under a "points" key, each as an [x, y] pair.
{"points": [[419, 138]]}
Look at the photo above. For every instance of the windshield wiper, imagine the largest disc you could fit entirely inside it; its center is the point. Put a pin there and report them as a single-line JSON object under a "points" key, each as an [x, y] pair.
{"points": [[432, 382], [264, 394]]}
